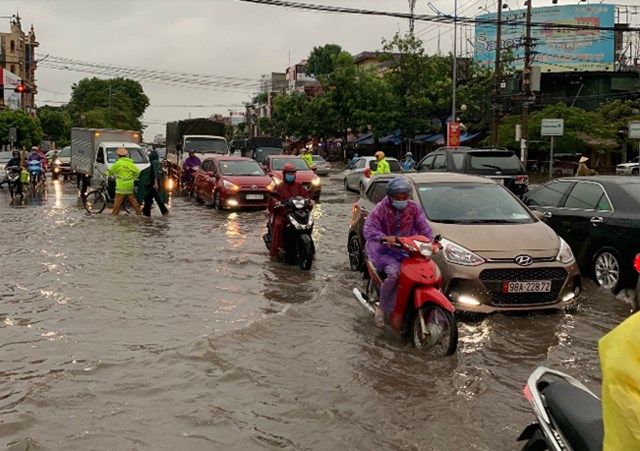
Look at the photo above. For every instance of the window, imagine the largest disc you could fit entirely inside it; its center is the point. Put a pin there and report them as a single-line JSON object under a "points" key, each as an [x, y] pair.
{"points": [[359, 164], [13, 50], [377, 192], [549, 195], [425, 165], [240, 167], [586, 196], [138, 155], [100, 157], [299, 163], [440, 162], [506, 162], [208, 166]]}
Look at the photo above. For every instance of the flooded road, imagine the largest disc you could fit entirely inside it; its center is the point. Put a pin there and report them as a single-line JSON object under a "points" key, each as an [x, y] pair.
{"points": [[178, 332]]}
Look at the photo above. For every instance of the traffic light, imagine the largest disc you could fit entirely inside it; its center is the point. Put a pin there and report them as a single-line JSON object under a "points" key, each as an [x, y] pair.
{"points": [[22, 88]]}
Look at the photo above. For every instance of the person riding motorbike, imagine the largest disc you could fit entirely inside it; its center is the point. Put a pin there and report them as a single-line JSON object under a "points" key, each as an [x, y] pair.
{"points": [[383, 165], [394, 216], [37, 155], [191, 162], [286, 190], [355, 158], [14, 161], [408, 162]]}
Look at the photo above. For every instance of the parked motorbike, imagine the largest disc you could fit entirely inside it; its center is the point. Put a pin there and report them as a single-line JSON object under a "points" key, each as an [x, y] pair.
{"points": [[422, 314], [569, 415], [299, 246]]}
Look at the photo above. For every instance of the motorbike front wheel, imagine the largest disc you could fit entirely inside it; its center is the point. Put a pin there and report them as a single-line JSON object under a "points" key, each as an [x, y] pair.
{"points": [[95, 202], [305, 252], [435, 330]]}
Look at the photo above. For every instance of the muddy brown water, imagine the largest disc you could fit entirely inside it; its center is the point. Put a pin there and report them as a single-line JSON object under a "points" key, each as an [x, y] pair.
{"points": [[179, 333]]}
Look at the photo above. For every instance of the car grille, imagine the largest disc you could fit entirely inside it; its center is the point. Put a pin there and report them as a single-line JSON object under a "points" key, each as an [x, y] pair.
{"points": [[493, 279]]}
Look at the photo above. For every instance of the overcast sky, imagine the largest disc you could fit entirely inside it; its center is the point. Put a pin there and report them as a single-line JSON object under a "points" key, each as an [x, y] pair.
{"points": [[225, 38]]}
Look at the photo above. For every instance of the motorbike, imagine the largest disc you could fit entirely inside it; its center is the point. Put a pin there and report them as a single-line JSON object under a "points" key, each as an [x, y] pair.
{"points": [[56, 169], [13, 179], [190, 178], [569, 415], [422, 315], [36, 172], [299, 246]]}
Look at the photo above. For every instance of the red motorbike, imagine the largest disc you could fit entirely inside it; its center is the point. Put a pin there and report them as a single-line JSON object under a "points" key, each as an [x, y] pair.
{"points": [[189, 178], [422, 314]]}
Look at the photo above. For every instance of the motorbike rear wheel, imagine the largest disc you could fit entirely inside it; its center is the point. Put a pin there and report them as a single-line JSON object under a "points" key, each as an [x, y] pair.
{"points": [[435, 330], [95, 202], [305, 252]]}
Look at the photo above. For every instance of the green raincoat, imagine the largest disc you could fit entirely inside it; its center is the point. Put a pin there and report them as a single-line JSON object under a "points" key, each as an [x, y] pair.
{"points": [[149, 176], [126, 173]]}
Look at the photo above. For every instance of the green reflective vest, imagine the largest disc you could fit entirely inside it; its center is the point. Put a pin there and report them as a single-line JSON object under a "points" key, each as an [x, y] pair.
{"points": [[383, 168], [126, 174]]}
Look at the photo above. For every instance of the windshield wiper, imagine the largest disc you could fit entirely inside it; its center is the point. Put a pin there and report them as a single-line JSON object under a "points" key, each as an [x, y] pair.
{"points": [[497, 168], [491, 221]]}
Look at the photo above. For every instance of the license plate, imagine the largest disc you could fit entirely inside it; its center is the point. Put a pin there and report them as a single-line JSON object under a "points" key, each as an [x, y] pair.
{"points": [[530, 286], [255, 196]]}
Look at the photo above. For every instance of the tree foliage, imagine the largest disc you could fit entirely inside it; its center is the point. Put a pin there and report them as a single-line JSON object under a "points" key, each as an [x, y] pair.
{"points": [[56, 124], [321, 61], [28, 128], [112, 103]]}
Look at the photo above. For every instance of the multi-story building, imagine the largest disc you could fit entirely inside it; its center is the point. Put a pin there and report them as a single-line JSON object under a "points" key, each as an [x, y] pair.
{"points": [[18, 56]]}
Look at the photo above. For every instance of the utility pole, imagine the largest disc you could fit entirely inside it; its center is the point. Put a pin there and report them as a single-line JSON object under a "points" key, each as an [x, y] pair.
{"points": [[455, 62], [498, 79], [526, 75], [412, 5]]}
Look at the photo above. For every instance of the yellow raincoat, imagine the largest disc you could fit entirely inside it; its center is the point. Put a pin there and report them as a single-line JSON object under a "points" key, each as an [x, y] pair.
{"points": [[620, 361]]}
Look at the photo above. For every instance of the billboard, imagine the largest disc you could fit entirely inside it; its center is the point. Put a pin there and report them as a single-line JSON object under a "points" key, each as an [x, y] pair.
{"points": [[12, 100], [553, 49]]}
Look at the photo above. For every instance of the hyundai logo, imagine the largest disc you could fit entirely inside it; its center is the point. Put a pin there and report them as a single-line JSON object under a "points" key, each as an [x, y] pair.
{"points": [[254, 187], [523, 260]]}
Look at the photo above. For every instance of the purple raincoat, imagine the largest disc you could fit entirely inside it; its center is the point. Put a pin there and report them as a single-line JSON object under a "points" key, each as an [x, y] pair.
{"points": [[385, 220]]}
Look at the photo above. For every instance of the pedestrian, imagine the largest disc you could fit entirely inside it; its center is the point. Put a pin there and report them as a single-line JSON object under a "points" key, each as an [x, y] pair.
{"points": [[382, 166], [151, 186], [583, 169], [126, 173]]}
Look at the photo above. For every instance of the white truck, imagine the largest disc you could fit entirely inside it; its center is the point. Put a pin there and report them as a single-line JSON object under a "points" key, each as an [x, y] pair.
{"points": [[93, 151]]}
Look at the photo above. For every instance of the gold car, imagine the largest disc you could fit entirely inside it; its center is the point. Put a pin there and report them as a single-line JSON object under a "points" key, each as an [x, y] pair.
{"points": [[497, 254]]}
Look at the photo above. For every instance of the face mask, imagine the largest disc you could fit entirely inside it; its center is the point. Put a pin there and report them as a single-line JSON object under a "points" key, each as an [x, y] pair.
{"points": [[399, 204], [290, 178]]}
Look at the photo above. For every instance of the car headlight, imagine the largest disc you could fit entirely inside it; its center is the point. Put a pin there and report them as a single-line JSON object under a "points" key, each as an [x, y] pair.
{"points": [[565, 255], [277, 180], [316, 181], [230, 186], [454, 253]]}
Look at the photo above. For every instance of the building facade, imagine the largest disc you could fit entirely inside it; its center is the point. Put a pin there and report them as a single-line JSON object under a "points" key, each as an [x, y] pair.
{"points": [[18, 56]]}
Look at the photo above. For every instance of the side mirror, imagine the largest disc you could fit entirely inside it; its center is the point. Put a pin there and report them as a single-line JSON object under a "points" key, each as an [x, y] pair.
{"points": [[367, 173], [541, 215]]}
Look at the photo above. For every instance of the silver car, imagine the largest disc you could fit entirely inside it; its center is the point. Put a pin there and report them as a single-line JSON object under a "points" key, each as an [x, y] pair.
{"points": [[323, 167], [355, 178]]}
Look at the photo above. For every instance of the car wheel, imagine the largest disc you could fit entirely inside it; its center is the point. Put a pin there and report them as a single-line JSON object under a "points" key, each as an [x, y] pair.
{"points": [[634, 171], [217, 203], [606, 269], [361, 188], [355, 253]]}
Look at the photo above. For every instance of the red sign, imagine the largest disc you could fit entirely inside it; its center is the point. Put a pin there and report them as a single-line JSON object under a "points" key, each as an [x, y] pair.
{"points": [[453, 134]]}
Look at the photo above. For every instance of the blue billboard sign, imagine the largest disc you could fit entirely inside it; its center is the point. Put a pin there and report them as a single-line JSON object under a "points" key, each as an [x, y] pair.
{"points": [[582, 47]]}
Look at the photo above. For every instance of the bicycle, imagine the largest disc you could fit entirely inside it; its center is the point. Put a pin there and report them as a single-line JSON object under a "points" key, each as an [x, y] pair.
{"points": [[96, 200]]}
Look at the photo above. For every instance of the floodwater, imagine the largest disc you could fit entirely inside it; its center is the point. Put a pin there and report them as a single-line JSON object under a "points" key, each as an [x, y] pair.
{"points": [[178, 332]]}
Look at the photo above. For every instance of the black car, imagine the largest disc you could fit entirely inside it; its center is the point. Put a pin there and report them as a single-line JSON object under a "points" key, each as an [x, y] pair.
{"points": [[599, 217], [499, 164]]}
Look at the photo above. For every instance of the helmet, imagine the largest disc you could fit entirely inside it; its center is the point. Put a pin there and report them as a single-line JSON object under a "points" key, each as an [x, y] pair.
{"points": [[289, 168], [399, 185], [34, 149], [409, 154], [191, 151], [379, 154]]}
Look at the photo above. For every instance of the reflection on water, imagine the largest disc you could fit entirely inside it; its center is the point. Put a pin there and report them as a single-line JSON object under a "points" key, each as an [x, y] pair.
{"points": [[179, 332]]}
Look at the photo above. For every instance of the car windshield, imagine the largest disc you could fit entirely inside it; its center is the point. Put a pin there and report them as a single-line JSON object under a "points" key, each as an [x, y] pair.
{"points": [[206, 145], [138, 155], [494, 161], [471, 203], [299, 163], [318, 158], [162, 153], [240, 167], [65, 152]]}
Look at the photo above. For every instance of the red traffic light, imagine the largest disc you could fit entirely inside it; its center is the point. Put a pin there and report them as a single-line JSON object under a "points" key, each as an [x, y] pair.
{"points": [[21, 88]]}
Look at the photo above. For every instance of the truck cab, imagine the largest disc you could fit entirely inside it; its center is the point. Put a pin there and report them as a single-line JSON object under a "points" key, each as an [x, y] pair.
{"points": [[106, 156]]}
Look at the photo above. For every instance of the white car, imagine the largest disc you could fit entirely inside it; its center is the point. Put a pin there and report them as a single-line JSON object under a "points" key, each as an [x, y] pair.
{"points": [[628, 168], [354, 177]]}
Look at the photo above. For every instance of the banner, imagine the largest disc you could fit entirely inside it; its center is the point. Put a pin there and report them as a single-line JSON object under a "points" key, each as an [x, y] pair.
{"points": [[12, 100]]}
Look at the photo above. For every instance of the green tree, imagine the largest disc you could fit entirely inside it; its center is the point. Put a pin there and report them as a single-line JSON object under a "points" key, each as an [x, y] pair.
{"points": [[321, 60], [56, 124], [28, 128], [113, 103], [289, 114]]}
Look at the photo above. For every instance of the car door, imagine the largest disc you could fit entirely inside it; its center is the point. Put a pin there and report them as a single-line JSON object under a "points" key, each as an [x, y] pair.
{"points": [[547, 199], [203, 182], [376, 190], [440, 163], [585, 214]]}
